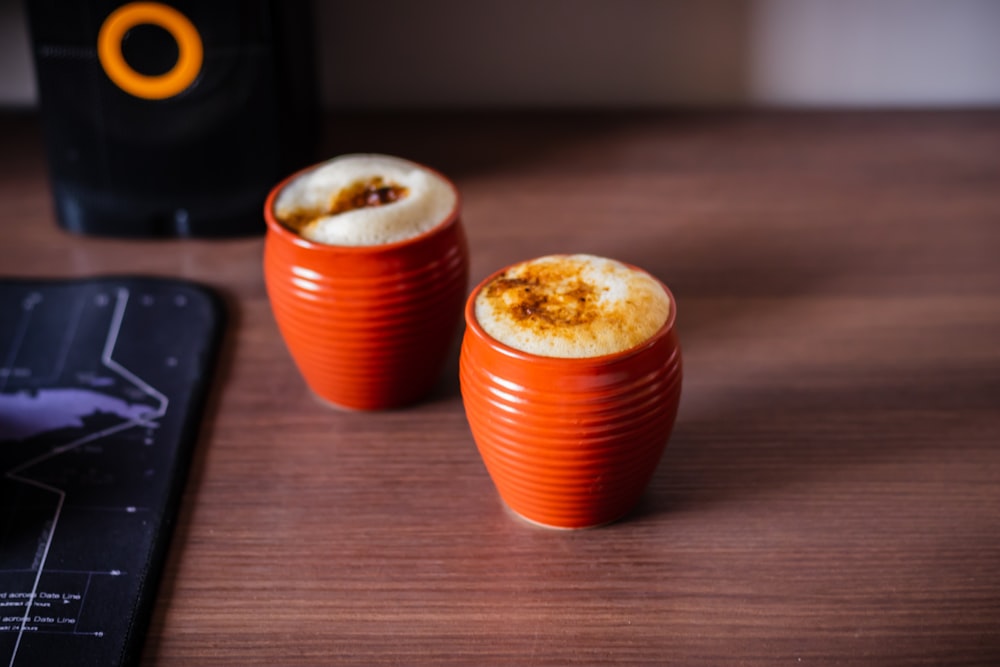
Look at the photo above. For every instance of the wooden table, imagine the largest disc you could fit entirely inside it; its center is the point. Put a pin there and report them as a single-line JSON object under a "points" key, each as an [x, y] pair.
{"points": [[830, 495]]}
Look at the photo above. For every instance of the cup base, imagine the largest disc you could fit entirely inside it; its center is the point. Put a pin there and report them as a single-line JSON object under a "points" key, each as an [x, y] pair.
{"points": [[339, 407], [350, 409], [547, 526]]}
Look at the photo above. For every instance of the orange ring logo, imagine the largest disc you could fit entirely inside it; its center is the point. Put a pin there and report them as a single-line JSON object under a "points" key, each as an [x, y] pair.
{"points": [[181, 75]]}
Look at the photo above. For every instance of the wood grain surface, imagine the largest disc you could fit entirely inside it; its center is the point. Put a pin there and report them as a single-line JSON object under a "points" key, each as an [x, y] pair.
{"points": [[831, 492]]}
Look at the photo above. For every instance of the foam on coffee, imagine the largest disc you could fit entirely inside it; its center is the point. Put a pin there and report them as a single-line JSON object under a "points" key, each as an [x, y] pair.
{"points": [[572, 306], [364, 200]]}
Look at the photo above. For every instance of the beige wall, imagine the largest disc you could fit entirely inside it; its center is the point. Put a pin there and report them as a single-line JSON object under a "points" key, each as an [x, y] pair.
{"points": [[647, 53]]}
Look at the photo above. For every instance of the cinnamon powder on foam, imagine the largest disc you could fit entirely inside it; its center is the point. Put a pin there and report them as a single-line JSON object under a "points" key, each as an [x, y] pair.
{"points": [[364, 200], [572, 306]]}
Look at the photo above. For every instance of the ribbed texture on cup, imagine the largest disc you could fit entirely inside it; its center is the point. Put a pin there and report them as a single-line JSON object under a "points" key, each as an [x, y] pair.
{"points": [[570, 443], [368, 328]]}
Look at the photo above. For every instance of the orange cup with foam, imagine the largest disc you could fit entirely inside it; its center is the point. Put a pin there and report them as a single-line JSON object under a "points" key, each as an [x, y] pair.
{"points": [[570, 372], [366, 267]]}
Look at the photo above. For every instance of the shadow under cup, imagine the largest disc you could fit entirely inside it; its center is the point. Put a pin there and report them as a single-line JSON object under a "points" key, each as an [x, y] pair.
{"points": [[369, 327], [570, 442]]}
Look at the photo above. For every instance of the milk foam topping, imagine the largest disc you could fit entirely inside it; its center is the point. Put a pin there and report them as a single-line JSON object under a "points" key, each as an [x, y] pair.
{"points": [[365, 200], [572, 306]]}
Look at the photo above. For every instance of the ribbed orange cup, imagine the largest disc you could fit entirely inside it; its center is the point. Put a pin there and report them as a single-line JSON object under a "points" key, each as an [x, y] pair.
{"points": [[369, 327], [570, 443]]}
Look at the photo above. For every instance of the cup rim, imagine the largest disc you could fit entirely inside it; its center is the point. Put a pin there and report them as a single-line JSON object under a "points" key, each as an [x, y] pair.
{"points": [[473, 324], [276, 227]]}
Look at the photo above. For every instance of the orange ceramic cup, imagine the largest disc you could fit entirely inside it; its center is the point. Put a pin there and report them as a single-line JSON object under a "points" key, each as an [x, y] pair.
{"points": [[369, 327], [570, 442]]}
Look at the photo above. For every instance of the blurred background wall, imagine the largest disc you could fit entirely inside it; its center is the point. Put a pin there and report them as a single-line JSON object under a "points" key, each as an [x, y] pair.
{"points": [[631, 53]]}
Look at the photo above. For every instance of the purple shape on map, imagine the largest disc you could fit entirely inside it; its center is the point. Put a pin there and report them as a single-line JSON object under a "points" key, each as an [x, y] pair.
{"points": [[25, 414]]}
